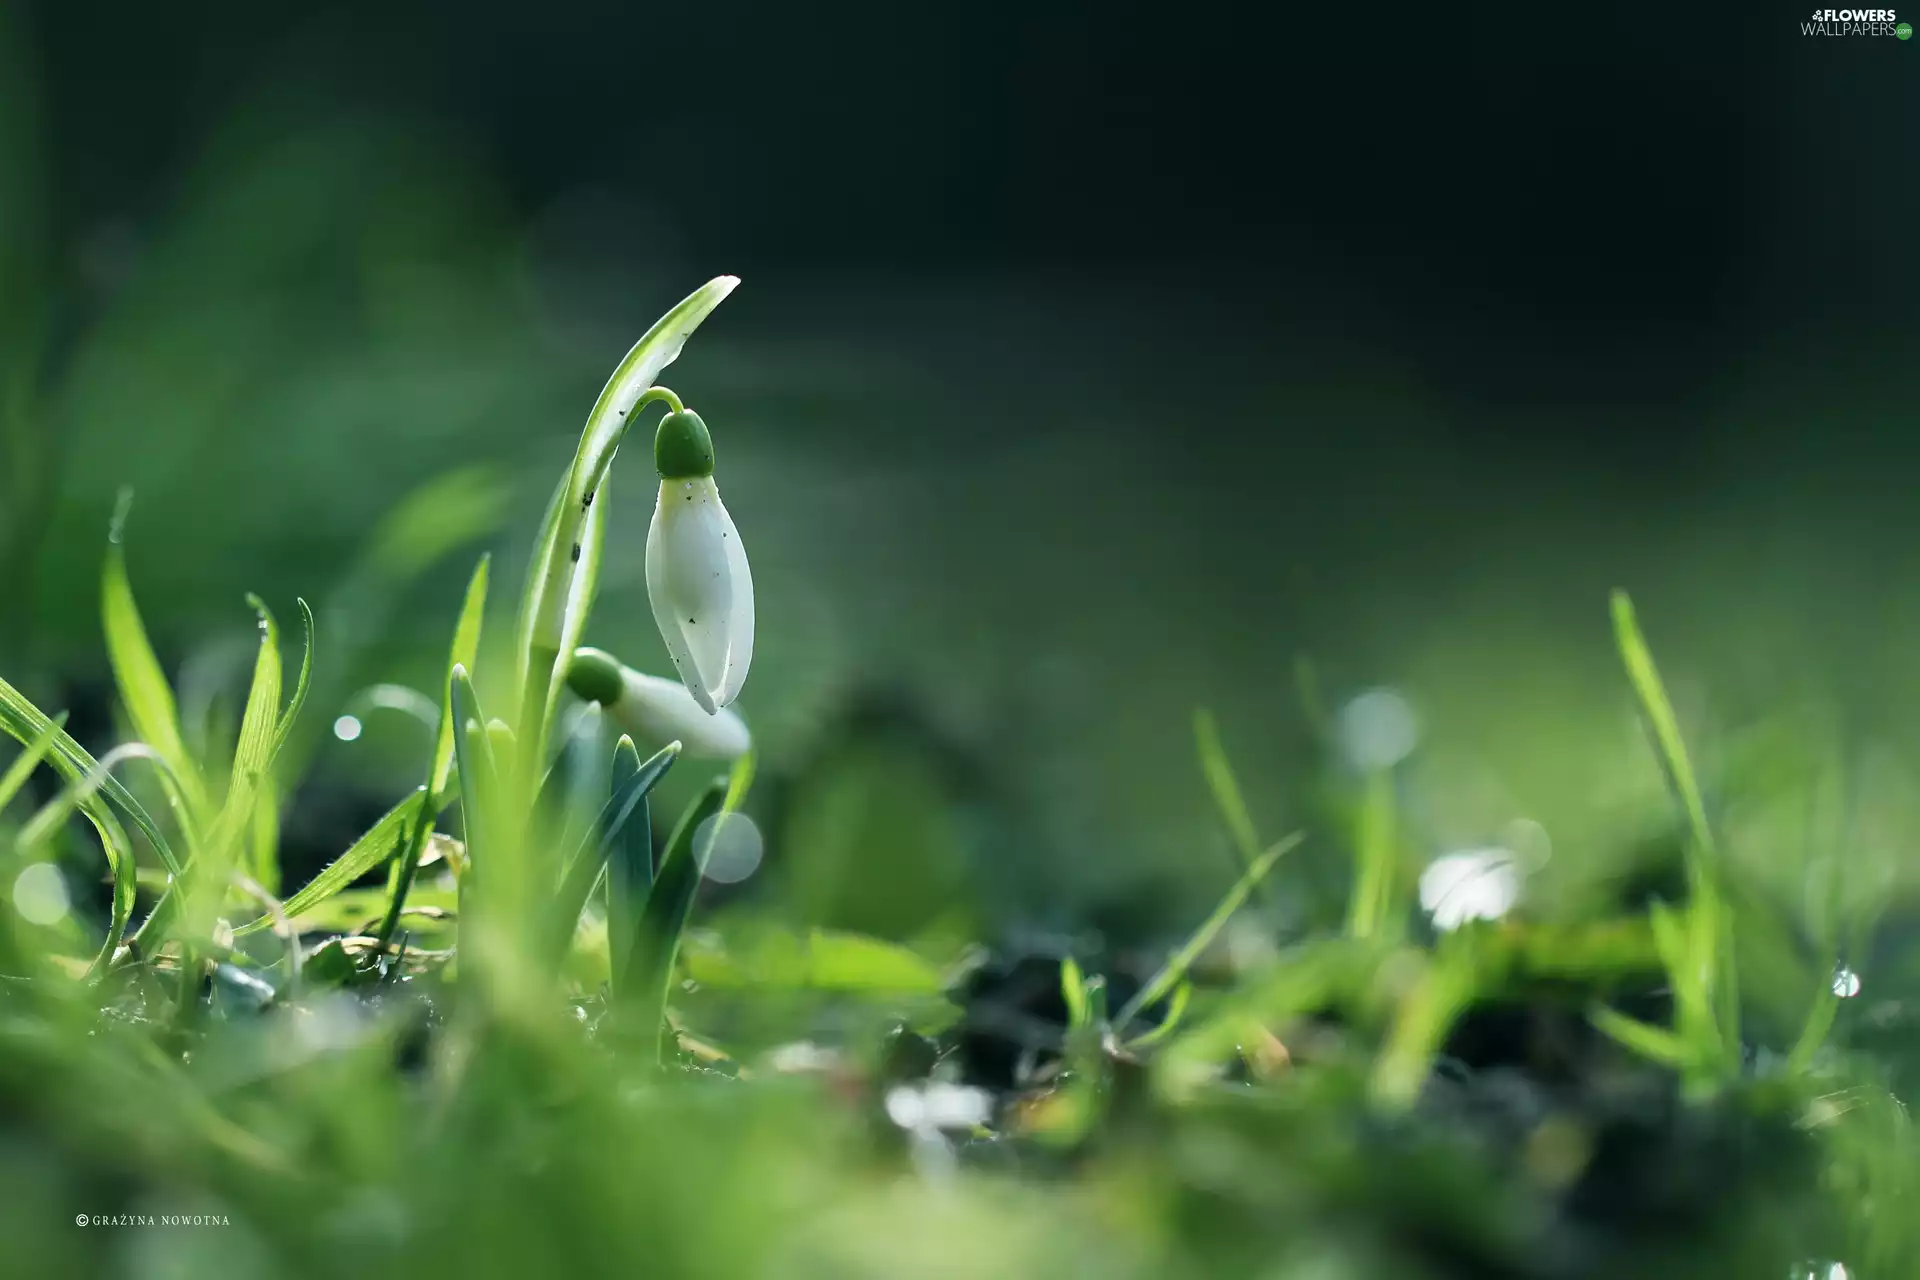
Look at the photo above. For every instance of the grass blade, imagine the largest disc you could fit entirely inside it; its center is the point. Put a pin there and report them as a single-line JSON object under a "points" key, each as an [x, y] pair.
{"points": [[1176, 1009], [1375, 859], [24, 722], [1225, 788], [1813, 1033], [369, 851], [1661, 721], [649, 968], [300, 684], [260, 719], [625, 807], [1444, 989], [138, 676], [83, 793], [1073, 990], [1175, 969], [1709, 915], [1329, 972], [630, 869], [250, 779], [465, 649], [1654, 1043], [473, 756], [119, 851], [263, 838], [28, 760]]}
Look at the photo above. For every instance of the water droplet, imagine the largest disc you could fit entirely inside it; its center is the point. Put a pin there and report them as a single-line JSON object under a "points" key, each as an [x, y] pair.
{"points": [[347, 728], [1846, 985]]}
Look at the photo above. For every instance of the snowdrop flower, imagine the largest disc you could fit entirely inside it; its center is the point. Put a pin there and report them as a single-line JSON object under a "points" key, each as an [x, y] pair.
{"points": [[697, 576], [656, 710], [936, 1105], [924, 1110], [1477, 884]]}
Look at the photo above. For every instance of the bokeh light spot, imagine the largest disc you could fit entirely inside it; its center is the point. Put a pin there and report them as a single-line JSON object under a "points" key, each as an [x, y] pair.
{"points": [[40, 894], [734, 847], [1378, 729]]}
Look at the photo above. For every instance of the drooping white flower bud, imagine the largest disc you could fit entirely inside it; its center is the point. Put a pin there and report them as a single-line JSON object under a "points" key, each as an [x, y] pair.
{"points": [[657, 711], [697, 576]]}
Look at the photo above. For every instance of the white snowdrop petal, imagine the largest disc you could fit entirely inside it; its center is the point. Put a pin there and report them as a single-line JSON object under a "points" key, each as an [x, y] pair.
{"points": [[694, 564], [1477, 884], [663, 615], [740, 624], [662, 711]]}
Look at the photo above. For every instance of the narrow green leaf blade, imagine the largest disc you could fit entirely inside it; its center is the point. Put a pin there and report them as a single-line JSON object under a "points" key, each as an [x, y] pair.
{"points": [[462, 655], [285, 727], [630, 866], [380, 842], [762, 958], [473, 757], [626, 806], [28, 760], [137, 674], [1177, 965], [1225, 787], [1425, 1014], [260, 719], [1073, 990], [82, 793], [24, 722], [119, 852], [650, 964], [1654, 1043], [1176, 1010], [1662, 724]]}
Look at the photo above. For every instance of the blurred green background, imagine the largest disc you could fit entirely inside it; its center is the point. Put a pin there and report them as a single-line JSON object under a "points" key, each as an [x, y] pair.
{"points": [[1088, 368]]}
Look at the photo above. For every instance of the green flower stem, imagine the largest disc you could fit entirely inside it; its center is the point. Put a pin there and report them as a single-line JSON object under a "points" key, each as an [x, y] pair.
{"points": [[583, 485], [544, 602]]}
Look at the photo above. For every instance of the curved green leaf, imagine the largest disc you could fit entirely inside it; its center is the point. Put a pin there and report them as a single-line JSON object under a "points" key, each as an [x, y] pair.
{"points": [[649, 968], [537, 632], [137, 674], [369, 851], [29, 758], [24, 722]]}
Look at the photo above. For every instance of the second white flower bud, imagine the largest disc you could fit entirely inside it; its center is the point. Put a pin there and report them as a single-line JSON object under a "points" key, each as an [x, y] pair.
{"points": [[655, 710]]}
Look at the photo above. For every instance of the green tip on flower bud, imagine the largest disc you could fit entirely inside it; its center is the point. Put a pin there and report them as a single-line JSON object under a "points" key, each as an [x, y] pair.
{"points": [[682, 449], [595, 676]]}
